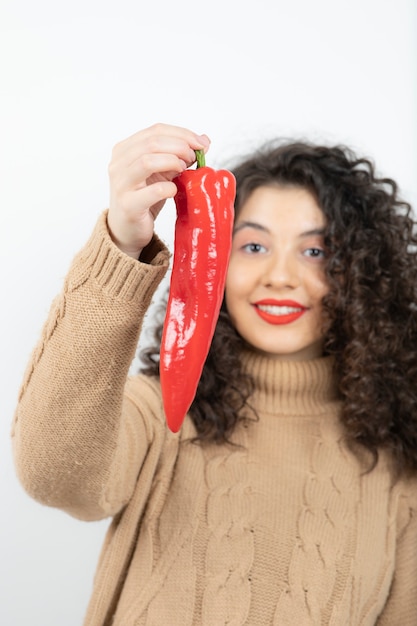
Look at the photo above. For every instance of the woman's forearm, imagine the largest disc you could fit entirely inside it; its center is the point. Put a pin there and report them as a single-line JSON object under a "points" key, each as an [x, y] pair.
{"points": [[69, 413]]}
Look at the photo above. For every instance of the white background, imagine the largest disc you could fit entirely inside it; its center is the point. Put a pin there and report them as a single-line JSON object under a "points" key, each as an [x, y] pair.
{"points": [[76, 78]]}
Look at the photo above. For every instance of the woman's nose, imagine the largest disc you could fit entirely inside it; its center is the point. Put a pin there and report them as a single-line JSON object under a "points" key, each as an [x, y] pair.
{"points": [[281, 272]]}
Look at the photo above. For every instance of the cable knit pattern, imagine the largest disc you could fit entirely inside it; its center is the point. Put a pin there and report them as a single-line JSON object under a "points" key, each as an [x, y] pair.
{"points": [[325, 534], [283, 528], [230, 550]]}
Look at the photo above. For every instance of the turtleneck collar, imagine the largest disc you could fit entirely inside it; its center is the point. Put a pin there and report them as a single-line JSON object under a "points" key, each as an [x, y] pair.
{"points": [[291, 387]]}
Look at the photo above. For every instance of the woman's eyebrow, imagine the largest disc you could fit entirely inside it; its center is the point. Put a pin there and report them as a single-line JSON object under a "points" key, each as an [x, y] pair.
{"points": [[313, 231], [308, 233], [254, 225]]}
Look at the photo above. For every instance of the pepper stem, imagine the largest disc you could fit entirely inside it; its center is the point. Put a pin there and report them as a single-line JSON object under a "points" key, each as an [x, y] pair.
{"points": [[201, 158]]}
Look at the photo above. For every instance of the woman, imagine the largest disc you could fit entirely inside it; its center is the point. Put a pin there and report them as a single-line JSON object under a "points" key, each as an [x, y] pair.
{"points": [[289, 495]]}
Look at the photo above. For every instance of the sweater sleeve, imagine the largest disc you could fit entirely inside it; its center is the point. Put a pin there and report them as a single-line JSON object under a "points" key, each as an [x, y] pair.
{"points": [[72, 412], [401, 607]]}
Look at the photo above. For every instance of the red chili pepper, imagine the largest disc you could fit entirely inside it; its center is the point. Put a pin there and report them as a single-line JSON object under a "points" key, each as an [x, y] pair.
{"points": [[203, 237]]}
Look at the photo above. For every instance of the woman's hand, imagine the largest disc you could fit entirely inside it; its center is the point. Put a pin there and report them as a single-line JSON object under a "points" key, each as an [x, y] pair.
{"points": [[141, 172]]}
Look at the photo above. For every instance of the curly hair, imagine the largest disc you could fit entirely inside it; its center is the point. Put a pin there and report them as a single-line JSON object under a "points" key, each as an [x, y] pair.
{"points": [[370, 311]]}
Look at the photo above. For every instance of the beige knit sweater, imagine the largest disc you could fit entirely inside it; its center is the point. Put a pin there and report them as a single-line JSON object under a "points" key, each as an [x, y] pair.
{"points": [[285, 529]]}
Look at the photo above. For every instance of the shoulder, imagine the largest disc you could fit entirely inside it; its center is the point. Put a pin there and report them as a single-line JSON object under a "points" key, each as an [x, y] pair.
{"points": [[145, 393]]}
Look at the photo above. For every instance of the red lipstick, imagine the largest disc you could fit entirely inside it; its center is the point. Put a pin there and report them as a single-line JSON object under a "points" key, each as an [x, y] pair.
{"points": [[279, 311]]}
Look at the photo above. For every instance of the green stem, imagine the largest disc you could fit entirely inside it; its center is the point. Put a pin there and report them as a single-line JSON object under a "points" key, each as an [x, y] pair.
{"points": [[201, 158]]}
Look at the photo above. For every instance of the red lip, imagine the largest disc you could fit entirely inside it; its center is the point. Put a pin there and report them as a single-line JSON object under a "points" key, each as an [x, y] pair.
{"points": [[275, 319]]}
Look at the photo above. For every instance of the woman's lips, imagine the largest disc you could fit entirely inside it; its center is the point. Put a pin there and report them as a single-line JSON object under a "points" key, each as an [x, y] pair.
{"points": [[279, 311]]}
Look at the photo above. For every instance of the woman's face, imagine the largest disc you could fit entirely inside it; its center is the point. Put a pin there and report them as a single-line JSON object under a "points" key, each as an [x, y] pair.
{"points": [[276, 280]]}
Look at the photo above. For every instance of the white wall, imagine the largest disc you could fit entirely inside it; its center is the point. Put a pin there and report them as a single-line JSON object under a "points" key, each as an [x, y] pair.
{"points": [[77, 77]]}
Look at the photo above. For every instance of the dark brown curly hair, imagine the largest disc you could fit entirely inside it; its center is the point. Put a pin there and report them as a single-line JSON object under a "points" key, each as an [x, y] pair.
{"points": [[370, 310]]}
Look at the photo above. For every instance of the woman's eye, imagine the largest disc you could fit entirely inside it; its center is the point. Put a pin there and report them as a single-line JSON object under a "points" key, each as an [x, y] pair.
{"points": [[253, 248], [315, 253]]}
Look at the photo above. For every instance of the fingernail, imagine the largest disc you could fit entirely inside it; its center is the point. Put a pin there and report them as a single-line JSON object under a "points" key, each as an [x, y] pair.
{"points": [[204, 140]]}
